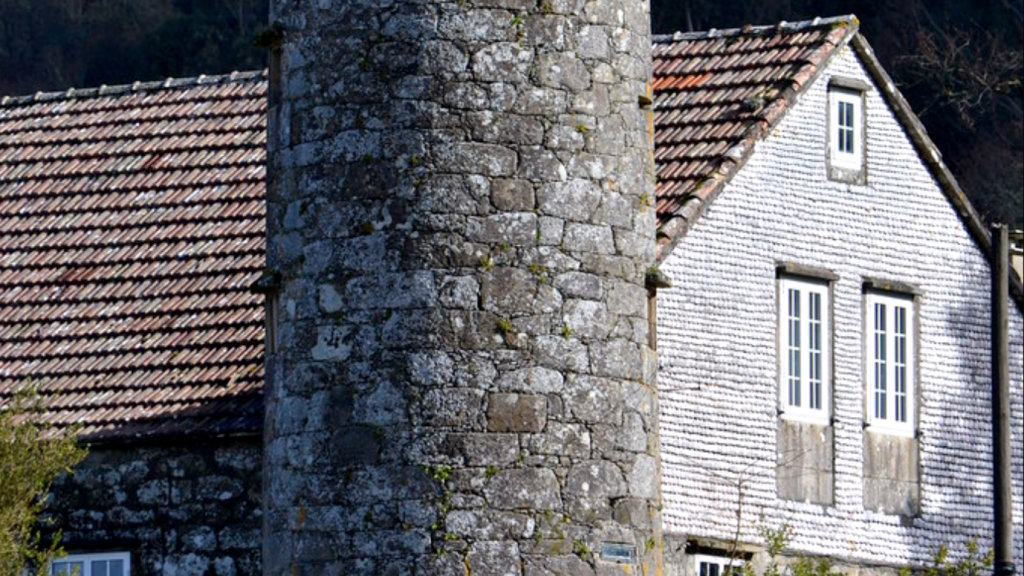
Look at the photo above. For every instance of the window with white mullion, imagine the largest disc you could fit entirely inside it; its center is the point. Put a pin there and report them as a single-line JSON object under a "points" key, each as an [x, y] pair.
{"points": [[101, 564], [846, 118], [795, 354], [881, 370], [890, 363], [900, 365], [803, 347]]}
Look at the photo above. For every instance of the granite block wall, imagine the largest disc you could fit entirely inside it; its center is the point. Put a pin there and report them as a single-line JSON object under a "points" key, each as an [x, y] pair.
{"points": [[460, 214], [188, 508]]}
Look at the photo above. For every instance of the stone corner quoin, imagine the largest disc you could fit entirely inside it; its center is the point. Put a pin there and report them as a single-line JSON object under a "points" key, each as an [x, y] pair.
{"points": [[458, 369]]}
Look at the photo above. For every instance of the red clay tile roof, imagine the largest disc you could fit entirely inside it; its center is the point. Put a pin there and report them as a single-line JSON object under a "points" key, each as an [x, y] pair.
{"points": [[131, 224], [132, 221], [716, 93]]}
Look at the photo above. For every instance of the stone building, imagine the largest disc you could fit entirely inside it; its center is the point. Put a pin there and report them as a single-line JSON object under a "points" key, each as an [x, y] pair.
{"points": [[131, 224], [460, 304]]}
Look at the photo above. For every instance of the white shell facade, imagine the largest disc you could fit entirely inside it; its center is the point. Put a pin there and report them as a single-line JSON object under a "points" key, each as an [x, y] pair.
{"points": [[717, 327]]}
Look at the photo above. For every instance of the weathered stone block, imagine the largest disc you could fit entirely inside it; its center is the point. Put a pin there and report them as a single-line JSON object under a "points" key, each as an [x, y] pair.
{"points": [[523, 488], [516, 412]]}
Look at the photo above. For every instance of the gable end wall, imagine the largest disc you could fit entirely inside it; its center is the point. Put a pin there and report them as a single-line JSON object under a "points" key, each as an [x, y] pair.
{"points": [[717, 343]]}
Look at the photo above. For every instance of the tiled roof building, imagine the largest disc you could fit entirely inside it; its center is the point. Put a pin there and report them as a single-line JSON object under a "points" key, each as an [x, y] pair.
{"points": [[132, 225]]}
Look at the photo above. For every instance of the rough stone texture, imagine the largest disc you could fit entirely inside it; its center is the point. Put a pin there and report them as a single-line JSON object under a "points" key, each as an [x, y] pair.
{"points": [[187, 510], [717, 345], [892, 480], [805, 471], [456, 376]]}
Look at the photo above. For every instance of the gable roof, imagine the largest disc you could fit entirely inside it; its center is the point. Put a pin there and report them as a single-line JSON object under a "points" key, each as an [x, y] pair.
{"points": [[131, 222], [718, 93]]}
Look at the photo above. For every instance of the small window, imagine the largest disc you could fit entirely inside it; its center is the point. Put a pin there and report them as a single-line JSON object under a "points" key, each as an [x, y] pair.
{"points": [[804, 349], [846, 149], [107, 564], [708, 565], [889, 363]]}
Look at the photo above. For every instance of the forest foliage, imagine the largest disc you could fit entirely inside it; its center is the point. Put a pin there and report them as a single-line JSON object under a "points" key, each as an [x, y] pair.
{"points": [[958, 62]]}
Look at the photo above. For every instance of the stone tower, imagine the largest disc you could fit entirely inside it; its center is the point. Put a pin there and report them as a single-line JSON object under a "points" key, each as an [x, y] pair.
{"points": [[460, 222]]}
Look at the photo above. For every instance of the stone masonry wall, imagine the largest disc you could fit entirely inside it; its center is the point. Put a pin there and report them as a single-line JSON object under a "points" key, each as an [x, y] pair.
{"points": [[460, 215], [186, 510], [717, 346]]}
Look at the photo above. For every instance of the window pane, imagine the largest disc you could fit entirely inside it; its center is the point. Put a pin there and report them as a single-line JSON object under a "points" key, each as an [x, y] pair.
{"points": [[116, 568], [900, 362], [814, 346], [794, 347], [880, 362], [99, 568], [68, 569]]}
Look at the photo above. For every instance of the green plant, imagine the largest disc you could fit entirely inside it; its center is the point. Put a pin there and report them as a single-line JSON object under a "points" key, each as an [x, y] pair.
{"points": [[491, 471], [32, 455], [582, 128], [486, 263], [566, 331], [367, 228], [504, 325], [580, 548]]}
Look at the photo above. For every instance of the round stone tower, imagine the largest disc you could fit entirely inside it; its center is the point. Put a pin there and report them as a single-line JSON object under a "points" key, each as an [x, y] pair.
{"points": [[460, 220]]}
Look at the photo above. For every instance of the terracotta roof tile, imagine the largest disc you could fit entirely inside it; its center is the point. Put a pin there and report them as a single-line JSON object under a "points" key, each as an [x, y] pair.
{"points": [[715, 93], [131, 225]]}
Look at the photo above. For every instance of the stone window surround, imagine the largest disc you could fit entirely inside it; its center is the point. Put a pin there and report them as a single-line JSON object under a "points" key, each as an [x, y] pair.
{"points": [[88, 559], [850, 89], [892, 291], [787, 272]]}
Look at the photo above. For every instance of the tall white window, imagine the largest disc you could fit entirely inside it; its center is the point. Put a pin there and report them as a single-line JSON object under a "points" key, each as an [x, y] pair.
{"points": [[804, 349], [889, 363], [845, 129], [106, 564]]}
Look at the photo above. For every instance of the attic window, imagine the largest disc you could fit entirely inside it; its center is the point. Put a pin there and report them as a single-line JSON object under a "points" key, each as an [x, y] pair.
{"points": [[846, 133]]}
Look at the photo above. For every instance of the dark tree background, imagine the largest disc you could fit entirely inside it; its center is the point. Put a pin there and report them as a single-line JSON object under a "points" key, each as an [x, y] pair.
{"points": [[957, 61]]}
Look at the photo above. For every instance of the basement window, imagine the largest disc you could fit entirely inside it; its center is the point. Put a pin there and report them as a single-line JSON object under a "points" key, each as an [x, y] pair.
{"points": [[805, 355], [708, 565], [105, 564], [889, 362]]}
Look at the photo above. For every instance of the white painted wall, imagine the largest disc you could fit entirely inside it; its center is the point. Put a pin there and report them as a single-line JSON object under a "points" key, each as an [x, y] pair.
{"points": [[717, 343]]}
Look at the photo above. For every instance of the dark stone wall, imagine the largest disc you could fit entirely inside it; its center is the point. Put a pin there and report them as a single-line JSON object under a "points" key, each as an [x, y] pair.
{"points": [[191, 509], [461, 214]]}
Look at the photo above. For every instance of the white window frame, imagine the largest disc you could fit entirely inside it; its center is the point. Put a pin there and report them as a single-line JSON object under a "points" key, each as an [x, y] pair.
{"points": [[882, 416], [790, 410], [723, 563], [849, 160], [88, 559]]}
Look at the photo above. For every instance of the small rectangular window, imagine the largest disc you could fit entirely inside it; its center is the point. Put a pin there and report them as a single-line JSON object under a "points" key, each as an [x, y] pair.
{"points": [[804, 339], [104, 564], [889, 362], [709, 565], [846, 149]]}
